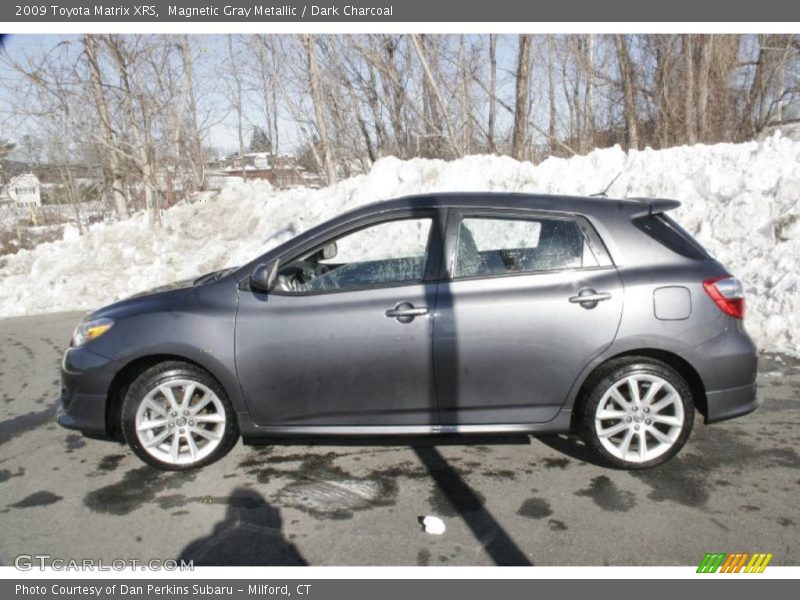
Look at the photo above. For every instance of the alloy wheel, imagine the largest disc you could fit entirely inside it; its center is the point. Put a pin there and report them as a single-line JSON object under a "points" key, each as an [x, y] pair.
{"points": [[639, 418], [180, 422]]}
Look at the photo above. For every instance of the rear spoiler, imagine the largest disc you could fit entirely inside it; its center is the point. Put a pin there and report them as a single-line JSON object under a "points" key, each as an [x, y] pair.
{"points": [[656, 205]]}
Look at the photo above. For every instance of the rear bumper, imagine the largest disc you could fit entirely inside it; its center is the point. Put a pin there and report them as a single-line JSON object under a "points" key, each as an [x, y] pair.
{"points": [[85, 380], [731, 403], [728, 366]]}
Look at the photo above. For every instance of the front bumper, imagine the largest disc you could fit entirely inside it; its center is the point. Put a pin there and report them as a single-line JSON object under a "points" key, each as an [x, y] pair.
{"points": [[85, 380]]}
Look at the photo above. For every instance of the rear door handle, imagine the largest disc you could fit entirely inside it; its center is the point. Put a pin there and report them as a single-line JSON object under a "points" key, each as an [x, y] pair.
{"points": [[588, 298], [405, 312]]}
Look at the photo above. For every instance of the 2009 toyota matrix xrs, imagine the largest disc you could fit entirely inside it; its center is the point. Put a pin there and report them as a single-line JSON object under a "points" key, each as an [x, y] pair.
{"points": [[439, 314]]}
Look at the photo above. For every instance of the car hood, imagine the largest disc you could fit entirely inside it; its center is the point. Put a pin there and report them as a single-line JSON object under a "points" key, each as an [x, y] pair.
{"points": [[158, 298], [175, 285]]}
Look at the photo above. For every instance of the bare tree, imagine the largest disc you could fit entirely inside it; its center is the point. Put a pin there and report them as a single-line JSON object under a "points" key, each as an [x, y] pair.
{"points": [[628, 82], [111, 171], [315, 85], [520, 134]]}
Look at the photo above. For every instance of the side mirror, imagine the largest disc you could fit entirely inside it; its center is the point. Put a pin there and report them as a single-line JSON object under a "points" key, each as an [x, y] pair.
{"points": [[329, 251], [263, 276]]}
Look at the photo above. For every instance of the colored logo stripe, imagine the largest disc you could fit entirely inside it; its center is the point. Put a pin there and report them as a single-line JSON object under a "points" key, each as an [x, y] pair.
{"points": [[758, 563], [711, 562], [734, 563]]}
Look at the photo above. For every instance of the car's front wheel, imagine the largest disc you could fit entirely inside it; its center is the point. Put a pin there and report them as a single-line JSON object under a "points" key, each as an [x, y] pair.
{"points": [[175, 416], [637, 412]]}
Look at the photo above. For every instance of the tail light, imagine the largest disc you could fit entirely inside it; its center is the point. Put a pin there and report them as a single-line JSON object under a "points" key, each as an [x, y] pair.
{"points": [[728, 294]]}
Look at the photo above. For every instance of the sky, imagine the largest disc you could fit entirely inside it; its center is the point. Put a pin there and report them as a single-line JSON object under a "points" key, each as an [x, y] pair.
{"points": [[222, 135], [213, 53]]}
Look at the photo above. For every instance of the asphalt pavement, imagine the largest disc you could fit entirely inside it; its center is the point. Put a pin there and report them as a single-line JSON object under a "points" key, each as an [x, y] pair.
{"points": [[734, 488]]}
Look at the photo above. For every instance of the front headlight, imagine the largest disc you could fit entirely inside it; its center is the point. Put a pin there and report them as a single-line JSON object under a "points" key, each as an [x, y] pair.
{"points": [[90, 330]]}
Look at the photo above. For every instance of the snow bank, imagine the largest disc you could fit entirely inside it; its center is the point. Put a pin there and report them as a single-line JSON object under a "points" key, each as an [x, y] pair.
{"points": [[741, 200]]}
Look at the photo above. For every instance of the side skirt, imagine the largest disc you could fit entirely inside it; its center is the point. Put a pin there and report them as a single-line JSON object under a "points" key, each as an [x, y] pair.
{"points": [[252, 433]]}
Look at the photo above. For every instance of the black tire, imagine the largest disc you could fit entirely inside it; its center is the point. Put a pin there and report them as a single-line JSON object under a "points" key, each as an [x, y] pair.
{"points": [[612, 373], [158, 375]]}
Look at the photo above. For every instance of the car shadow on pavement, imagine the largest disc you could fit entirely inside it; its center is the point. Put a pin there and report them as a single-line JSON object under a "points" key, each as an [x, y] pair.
{"points": [[573, 447], [470, 507], [250, 534]]}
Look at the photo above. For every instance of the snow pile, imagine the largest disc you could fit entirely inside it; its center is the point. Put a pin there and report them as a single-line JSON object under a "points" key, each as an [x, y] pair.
{"points": [[741, 200]]}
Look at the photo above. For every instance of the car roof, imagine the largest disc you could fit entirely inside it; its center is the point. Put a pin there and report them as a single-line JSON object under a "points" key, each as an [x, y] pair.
{"points": [[588, 205]]}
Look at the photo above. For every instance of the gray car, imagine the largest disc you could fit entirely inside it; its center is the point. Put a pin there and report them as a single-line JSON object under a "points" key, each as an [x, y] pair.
{"points": [[446, 314]]}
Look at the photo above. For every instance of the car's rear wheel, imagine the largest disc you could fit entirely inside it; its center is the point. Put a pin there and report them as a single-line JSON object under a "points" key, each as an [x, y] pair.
{"points": [[175, 416], [636, 413]]}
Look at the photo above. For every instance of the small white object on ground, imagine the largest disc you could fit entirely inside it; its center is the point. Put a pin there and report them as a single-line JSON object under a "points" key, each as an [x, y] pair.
{"points": [[433, 525]]}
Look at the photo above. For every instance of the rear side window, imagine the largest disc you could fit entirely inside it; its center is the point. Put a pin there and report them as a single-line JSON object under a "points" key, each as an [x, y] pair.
{"points": [[490, 246], [667, 232]]}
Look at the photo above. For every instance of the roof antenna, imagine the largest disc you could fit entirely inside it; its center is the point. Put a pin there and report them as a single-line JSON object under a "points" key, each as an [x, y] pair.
{"points": [[604, 193]]}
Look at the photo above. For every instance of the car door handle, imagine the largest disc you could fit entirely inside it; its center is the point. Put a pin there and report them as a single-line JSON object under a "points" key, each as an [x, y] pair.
{"points": [[588, 298], [405, 312]]}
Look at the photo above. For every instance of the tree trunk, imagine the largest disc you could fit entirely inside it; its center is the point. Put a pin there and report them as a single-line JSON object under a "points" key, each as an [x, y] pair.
{"points": [[492, 91], [588, 98], [701, 85], [435, 96], [689, 119], [111, 170], [628, 82], [315, 83], [520, 133], [237, 102], [551, 93]]}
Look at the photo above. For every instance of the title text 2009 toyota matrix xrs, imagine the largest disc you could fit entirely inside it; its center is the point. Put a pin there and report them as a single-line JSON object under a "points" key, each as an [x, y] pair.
{"points": [[437, 314]]}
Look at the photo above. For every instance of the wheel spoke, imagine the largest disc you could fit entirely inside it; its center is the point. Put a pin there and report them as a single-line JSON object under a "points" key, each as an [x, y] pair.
{"points": [[167, 391], [173, 451], [188, 392], [192, 445], [156, 441], [668, 400], [145, 425], [668, 420], [619, 398], [626, 442], [642, 445], [660, 436], [614, 429], [210, 418], [611, 414], [207, 433], [156, 407], [633, 386], [207, 397], [651, 393]]}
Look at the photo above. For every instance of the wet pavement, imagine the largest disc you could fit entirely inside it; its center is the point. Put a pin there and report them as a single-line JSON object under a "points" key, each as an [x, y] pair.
{"points": [[735, 487]]}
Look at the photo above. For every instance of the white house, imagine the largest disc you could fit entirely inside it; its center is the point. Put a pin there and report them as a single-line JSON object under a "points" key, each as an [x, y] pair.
{"points": [[24, 190]]}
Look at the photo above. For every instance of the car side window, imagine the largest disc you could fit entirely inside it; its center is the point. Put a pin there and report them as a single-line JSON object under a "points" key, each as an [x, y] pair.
{"points": [[390, 252], [490, 246]]}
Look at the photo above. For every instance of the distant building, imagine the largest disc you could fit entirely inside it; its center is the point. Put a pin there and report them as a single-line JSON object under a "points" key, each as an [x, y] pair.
{"points": [[23, 190], [281, 170]]}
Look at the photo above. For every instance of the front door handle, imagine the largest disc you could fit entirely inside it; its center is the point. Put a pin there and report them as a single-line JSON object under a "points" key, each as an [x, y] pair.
{"points": [[588, 298], [405, 312]]}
